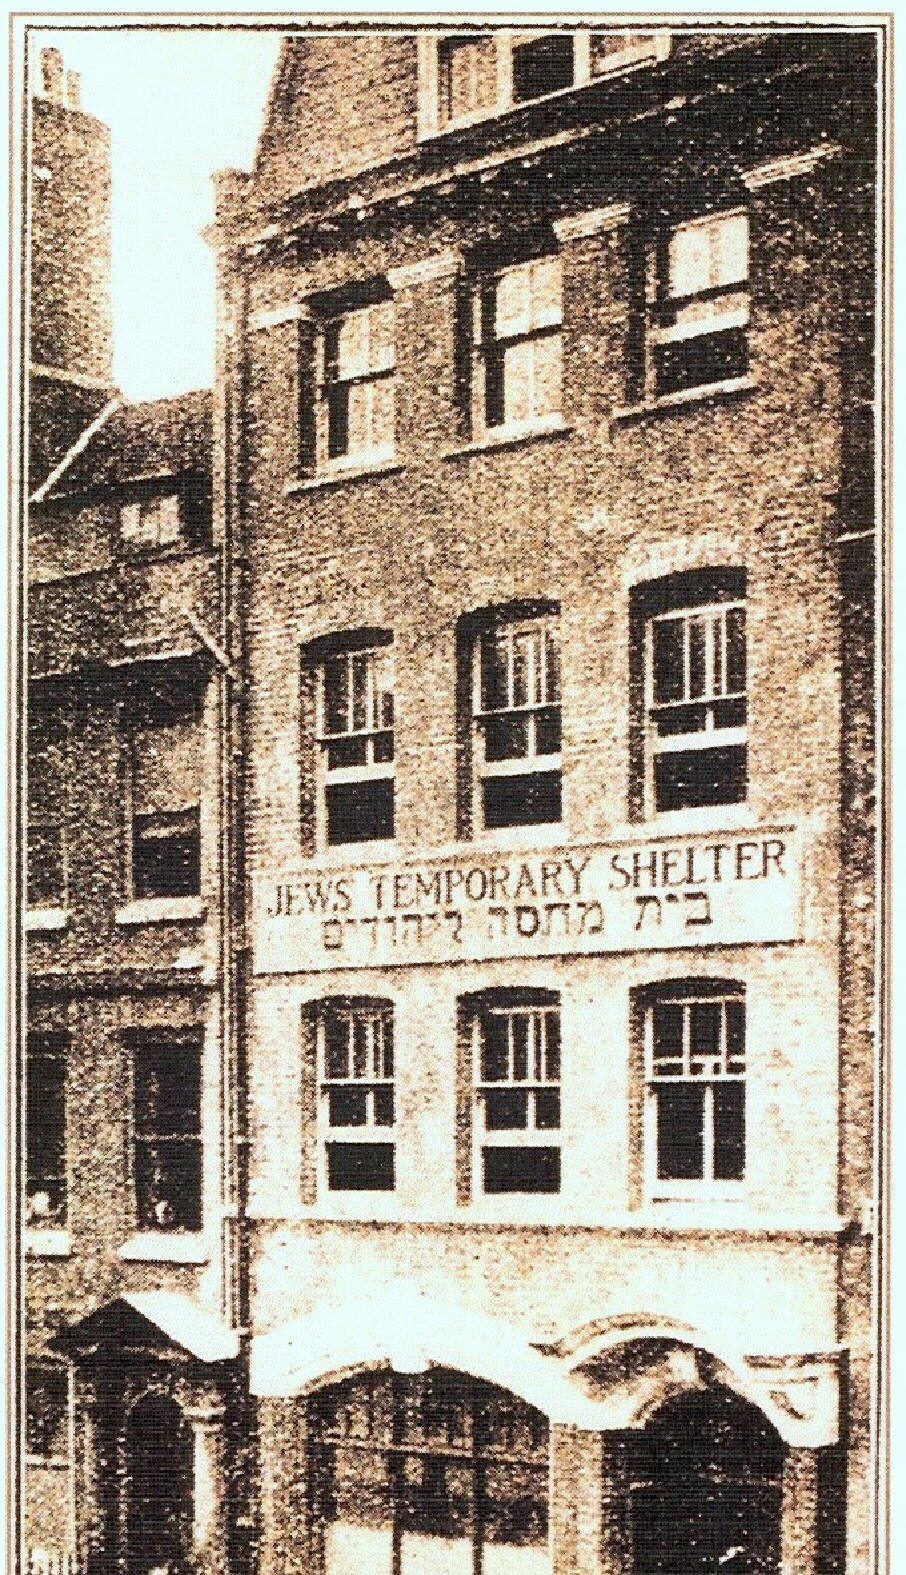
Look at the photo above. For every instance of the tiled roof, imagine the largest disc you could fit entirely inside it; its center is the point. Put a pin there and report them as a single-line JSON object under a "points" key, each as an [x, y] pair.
{"points": [[149, 439]]}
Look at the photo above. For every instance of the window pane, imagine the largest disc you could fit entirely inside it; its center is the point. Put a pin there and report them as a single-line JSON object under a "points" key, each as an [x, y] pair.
{"points": [[383, 413], [505, 1110], [381, 335], [515, 1506], [730, 249], [359, 811], [669, 669], [552, 666], [361, 1047], [668, 1037], [336, 694], [506, 738], [736, 1036], [605, 46], [690, 259], [360, 1167], [680, 1132], [383, 690], [729, 1131], [705, 1019], [46, 1412], [522, 800], [336, 1045], [513, 304], [347, 1106], [545, 292], [700, 776], [542, 65], [521, 1169], [337, 420], [700, 360], [166, 855], [495, 1060], [352, 344], [518, 375], [698, 682], [349, 751], [468, 76], [547, 376], [525, 661], [520, 1022], [736, 649], [494, 681], [548, 732], [168, 1184], [552, 1053], [168, 1089], [385, 1067], [45, 1135], [358, 416], [547, 1109], [383, 1107]]}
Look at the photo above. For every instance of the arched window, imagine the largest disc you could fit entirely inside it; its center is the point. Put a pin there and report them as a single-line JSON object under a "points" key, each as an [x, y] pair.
{"points": [[433, 1472]]}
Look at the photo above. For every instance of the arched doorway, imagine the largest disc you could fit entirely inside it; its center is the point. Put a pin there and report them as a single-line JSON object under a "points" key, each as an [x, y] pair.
{"points": [[428, 1474], [707, 1489], [159, 1486]]}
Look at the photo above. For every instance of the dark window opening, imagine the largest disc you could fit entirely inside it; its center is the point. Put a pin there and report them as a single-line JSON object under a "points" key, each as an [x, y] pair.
{"points": [[700, 777], [521, 1169], [542, 65], [46, 1412], [360, 811], [522, 800], [166, 854], [360, 1167], [45, 1130], [168, 1148], [704, 359]]}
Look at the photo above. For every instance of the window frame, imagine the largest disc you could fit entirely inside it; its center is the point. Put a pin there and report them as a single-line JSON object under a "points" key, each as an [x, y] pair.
{"points": [[489, 348], [51, 1460], [189, 1041], [712, 310], [136, 542], [537, 1006], [546, 623], [684, 995], [328, 317], [185, 703], [50, 731], [378, 647], [54, 1046], [375, 1013], [711, 736], [654, 47]]}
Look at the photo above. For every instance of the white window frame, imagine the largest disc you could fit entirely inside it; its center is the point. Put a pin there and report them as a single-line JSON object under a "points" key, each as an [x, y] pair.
{"points": [[488, 343], [372, 770], [710, 736], [375, 1014], [654, 47], [371, 453], [531, 763], [532, 1135], [708, 1186]]}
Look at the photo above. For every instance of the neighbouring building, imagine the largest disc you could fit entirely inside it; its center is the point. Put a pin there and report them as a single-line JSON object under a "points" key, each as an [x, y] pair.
{"points": [[125, 1109], [495, 1094]]}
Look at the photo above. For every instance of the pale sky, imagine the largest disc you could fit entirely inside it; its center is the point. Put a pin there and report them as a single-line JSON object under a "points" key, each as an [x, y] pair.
{"points": [[180, 104]]}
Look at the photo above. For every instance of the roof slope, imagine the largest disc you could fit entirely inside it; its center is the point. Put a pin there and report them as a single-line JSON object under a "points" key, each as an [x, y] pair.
{"points": [[151, 439]]}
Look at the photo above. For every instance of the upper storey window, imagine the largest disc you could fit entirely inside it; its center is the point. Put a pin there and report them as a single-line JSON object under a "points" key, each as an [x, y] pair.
{"points": [[700, 315], [46, 818], [353, 400], [356, 743], [152, 521], [517, 722], [464, 77], [517, 350], [165, 768]]}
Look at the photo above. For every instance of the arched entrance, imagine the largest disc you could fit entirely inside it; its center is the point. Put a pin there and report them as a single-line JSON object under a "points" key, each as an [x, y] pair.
{"points": [[428, 1474], [159, 1486], [706, 1496]]}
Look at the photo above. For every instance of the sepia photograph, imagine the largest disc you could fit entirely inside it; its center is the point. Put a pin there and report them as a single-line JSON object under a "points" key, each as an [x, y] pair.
{"points": [[448, 1049]]}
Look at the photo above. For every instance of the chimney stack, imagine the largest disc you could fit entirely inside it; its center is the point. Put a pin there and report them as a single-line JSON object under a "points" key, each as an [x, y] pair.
{"points": [[52, 75]]}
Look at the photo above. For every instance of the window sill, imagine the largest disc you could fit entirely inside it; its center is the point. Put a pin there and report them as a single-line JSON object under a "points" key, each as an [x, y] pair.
{"points": [[731, 387], [50, 1243], [154, 1246], [161, 910], [41, 920], [509, 437], [342, 473], [47, 1462]]}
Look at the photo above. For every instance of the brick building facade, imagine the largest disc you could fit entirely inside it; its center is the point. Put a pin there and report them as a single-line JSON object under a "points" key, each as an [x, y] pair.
{"points": [[541, 994]]}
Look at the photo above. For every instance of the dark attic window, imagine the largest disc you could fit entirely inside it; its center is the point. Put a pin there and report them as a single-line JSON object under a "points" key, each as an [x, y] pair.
{"points": [[542, 65]]}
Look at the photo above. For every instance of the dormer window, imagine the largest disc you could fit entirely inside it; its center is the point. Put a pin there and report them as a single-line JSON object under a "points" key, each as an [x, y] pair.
{"points": [[154, 521], [465, 77]]}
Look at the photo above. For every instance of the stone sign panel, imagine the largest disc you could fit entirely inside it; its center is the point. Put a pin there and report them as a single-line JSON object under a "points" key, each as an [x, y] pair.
{"points": [[581, 898]]}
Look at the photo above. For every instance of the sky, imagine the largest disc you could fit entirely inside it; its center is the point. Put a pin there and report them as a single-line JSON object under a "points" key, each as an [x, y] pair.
{"points": [[180, 104]]}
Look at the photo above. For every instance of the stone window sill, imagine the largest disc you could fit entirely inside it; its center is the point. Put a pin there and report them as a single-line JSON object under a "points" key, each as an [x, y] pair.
{"points": [[336, 477], [47, 1462], [161, 910], [509, 437], [41, 920], [153, 1246], [50, 1243], [729, 388]]}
